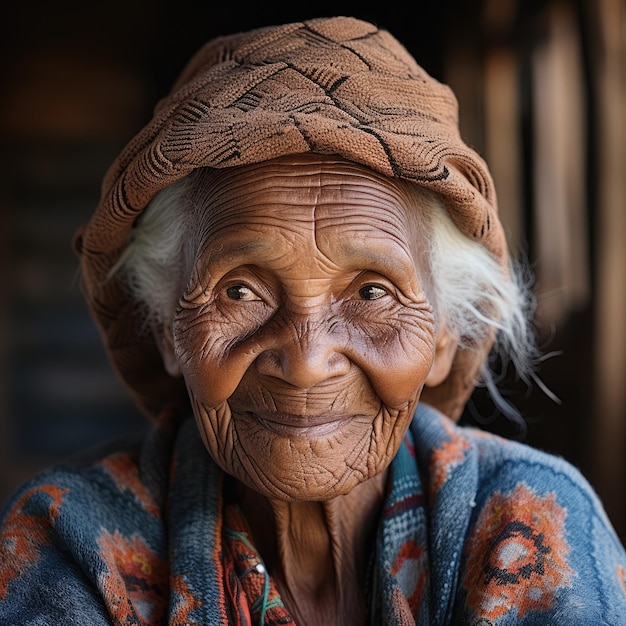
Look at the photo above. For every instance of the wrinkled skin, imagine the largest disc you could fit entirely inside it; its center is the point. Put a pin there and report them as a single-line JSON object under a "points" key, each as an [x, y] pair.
{"points": [[305, 335]]}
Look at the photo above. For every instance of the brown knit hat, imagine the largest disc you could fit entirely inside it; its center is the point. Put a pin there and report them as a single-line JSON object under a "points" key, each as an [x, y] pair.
{"points": [[330, 86]]}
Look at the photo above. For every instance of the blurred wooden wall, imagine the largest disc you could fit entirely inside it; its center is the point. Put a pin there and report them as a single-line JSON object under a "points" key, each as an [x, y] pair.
{"points": [[542, 87]]}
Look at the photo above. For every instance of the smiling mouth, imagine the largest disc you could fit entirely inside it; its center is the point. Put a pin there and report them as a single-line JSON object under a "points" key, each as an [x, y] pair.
{"points": [[288, 425]]}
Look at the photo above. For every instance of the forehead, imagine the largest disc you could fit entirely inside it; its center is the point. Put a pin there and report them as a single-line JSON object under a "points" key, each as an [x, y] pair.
{"points": [[342, 202]]}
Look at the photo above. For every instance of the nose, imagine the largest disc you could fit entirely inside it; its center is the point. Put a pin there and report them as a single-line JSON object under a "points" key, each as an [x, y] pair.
{"points": [[304, 356]]}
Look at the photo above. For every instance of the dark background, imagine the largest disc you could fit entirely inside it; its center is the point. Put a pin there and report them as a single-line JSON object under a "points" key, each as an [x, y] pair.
{"points": [[79, 80]]}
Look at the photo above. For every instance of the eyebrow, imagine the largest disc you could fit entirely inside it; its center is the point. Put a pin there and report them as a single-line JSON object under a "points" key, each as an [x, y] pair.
{"points": [[384, 263], [357, 257], [233, 250]]}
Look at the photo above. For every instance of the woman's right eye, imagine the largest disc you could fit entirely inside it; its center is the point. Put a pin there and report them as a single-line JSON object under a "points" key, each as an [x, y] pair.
{"points": [[241, 292], [372, 292]]}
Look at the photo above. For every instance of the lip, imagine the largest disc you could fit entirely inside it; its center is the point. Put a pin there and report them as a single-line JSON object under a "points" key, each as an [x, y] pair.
{"points": [[290, 425]]}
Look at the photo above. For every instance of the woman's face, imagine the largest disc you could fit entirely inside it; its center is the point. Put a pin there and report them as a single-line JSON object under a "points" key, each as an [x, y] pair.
{"points": [[305, 333]]}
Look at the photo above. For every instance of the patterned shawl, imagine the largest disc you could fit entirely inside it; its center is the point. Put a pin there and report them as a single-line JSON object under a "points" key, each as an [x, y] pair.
{"points": [[474, 530]]}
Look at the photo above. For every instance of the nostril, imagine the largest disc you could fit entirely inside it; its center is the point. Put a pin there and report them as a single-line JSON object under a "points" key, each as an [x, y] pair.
{"points": [[268, 363]]}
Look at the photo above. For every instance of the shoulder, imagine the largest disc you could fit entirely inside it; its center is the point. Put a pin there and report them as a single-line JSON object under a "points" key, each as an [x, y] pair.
{"points": [[537, 541], [71, 510], [86, 483], [60, 527], [131, 471], [498, 464], [540, 540]]}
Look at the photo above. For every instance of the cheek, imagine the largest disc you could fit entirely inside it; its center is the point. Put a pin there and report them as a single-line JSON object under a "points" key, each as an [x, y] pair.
{"points": [[397, 380], [396, 357], [212, 369]]}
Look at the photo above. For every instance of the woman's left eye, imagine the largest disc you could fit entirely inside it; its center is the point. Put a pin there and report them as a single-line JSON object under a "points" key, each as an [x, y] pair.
{"points": [[241, 292], [372, 292]]}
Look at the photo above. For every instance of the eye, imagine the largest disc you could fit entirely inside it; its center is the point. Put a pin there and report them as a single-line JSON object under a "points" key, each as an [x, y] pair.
{"points": [[372, 292], [241, 292]]}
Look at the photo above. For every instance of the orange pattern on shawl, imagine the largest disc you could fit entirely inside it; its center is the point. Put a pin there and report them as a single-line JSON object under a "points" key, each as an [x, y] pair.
{"points": [[136, 584], [517, 555], [23, 535]]}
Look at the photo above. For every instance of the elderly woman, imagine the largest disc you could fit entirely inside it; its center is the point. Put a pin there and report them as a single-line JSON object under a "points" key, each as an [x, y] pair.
{"points": [[298, 270]]}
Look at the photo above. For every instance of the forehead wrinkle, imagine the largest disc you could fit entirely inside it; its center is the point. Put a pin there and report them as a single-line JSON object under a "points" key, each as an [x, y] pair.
{"points": [[373, 222], [219, 233], [373, 225], [358, 235], [374, 210]]}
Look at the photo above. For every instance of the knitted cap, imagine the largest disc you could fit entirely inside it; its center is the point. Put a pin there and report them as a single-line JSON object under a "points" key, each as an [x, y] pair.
{"points": [[336, 86]]}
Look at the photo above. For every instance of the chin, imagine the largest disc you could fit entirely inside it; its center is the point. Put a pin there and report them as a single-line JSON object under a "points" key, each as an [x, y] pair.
{"points": [[301, 464]]}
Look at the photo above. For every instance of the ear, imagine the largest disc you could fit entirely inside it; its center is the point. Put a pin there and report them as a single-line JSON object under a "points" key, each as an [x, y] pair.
{"points": [[164, 339], [445, 350]]}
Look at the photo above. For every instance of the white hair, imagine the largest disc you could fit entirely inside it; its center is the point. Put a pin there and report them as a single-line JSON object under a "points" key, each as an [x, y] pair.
{"points": [[153, 263], [474, 295]]}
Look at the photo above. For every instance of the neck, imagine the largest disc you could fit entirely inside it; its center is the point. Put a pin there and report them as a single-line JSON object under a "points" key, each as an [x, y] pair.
{"points": [[317, 552]]}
